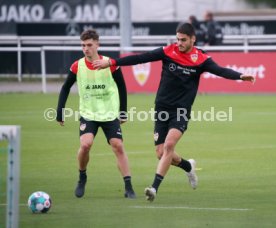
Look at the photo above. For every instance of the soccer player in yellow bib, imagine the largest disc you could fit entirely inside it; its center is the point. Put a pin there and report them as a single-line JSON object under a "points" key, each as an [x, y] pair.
{"points": [[103, 98]]}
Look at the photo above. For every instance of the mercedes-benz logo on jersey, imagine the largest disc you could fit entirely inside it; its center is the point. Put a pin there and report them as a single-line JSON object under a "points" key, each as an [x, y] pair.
{"points": [[60, 11], [72, 29], [172, 67]]}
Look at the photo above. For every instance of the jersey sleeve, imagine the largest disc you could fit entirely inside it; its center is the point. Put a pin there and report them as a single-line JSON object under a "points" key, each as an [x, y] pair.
{"points": [[74, 67], [150, 56], [113, 68], [214, 68], [120, 82]]}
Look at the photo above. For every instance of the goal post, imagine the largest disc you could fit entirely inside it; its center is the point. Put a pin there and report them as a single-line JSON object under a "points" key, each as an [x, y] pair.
{"points": [[12, 134]]}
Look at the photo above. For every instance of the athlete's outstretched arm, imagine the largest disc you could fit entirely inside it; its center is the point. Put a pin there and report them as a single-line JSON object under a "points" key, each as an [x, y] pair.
{"points": [[212, 67], [151, 56]]}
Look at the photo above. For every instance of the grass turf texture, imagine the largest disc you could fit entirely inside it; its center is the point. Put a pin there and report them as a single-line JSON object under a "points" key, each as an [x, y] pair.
{"points": [[236, 184]]}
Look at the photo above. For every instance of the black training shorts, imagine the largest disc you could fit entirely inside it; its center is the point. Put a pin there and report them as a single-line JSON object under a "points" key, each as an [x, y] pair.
{"points": [[111, 129], [166, 119]]}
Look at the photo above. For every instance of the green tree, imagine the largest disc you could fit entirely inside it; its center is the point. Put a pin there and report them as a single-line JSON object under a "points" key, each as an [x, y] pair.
{"points": [[271, 3]]}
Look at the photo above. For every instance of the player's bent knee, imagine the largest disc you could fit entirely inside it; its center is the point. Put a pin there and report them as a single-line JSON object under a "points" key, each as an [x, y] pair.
{"points": [[159, 152], [116, 144], [169, 146], [85, 147]]}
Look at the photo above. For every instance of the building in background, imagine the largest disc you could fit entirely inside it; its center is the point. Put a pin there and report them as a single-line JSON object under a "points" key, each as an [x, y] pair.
{"points": [[62, 18], [71, 17], [177, 10]]}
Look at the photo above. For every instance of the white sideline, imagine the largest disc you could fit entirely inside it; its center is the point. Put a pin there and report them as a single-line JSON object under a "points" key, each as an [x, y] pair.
{"points": [[192, 208], [171, 207]]}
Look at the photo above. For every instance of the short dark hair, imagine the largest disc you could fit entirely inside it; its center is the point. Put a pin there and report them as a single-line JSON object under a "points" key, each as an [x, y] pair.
{"points": [[209, 15], [186, 28], [89, 34]]}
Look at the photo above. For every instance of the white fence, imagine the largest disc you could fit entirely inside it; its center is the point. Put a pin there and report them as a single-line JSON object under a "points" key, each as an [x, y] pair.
{"points": [[43, 43], [115, 40]]}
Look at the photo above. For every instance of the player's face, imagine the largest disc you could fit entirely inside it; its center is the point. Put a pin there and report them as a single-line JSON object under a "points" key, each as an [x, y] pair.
{"points": [[90, 47], [184, 42]]}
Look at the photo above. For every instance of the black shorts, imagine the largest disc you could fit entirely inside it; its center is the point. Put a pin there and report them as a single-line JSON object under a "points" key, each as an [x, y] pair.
{"points": [[111, 129], [166, 119]]}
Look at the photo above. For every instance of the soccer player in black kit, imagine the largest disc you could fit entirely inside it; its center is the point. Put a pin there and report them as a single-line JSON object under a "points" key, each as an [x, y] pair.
{"points": [[182, 65]]}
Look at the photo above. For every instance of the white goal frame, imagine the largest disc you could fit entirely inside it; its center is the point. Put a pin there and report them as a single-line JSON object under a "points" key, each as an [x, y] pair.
{"points": [[12, 134]]}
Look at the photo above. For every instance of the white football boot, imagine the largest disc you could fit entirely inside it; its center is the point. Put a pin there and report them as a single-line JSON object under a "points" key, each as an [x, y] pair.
{"points": [[150, 193], [192, 174]]}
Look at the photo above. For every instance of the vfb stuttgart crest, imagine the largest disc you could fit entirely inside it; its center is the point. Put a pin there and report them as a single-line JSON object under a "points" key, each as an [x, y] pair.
{"points": [[194, 57], [141, 73]]}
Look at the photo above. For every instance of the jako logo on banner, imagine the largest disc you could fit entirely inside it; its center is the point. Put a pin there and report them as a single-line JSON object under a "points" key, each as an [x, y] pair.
{"points": [[60, 11], [22, 13], [17, 11]]}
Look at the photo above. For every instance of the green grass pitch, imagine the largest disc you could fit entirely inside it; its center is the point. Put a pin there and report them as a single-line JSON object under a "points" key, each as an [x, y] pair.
{"points": [[237, 180]]}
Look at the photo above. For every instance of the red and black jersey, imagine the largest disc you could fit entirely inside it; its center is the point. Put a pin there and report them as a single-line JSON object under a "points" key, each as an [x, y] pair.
{"points": [[180, 73], [74, 66]]}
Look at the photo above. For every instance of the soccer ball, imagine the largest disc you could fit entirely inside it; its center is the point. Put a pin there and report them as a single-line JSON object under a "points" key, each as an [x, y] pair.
{"points": [[39, 202]]}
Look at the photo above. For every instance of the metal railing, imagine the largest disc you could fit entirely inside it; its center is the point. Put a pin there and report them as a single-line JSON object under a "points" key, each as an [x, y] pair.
{"points": [[115, 40], [43, 49], [75, 40], [42, 44]]}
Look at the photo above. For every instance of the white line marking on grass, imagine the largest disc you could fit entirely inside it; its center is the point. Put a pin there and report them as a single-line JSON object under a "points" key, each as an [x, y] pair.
{"points": [[262, 113], [128, 152], [192, 208], [251, 147]]}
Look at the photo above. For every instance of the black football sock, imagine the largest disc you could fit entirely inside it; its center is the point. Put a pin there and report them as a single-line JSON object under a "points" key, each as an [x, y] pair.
{"points": [[128, 185], [157, 181], [184, 164], [83, 176]]}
